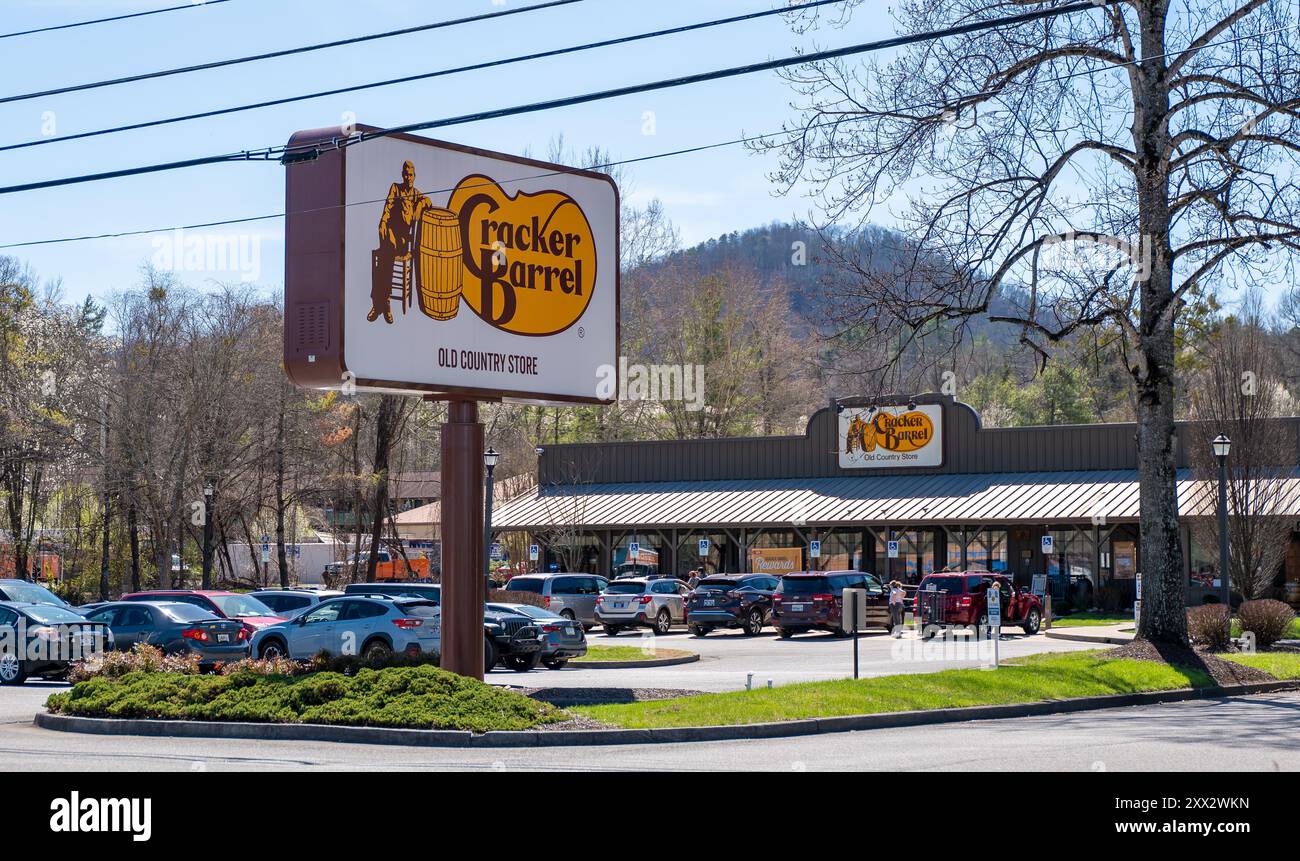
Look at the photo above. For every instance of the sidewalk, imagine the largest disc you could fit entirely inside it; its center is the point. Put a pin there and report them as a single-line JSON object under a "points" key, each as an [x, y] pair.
{"points": [[1112, 635]]}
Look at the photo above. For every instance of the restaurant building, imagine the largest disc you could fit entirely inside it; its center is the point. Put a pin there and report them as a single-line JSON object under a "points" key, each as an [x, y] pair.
{"points": [[899, 489]]}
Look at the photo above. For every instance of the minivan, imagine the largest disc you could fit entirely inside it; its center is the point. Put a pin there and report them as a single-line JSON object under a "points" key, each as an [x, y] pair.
{"points": [[572, 596], [814, 601]]}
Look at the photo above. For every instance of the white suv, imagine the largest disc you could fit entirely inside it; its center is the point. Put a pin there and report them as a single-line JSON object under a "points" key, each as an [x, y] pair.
{"points": [[641, 603]]}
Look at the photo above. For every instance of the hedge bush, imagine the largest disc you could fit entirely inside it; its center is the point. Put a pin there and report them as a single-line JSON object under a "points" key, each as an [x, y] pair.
{"points": [[1209, 626], [1267, 619]]}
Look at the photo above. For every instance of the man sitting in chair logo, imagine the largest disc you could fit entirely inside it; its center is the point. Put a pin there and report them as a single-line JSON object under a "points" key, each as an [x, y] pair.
{"points": [[402, 212]]}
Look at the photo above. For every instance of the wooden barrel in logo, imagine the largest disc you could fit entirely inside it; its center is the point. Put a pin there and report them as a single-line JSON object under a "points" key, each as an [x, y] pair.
{"points": [[439, 273]]}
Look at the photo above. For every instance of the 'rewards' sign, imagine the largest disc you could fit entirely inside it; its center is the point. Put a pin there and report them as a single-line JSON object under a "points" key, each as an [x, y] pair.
{"points": [[775, 560], [891, 437], [418, 266]]}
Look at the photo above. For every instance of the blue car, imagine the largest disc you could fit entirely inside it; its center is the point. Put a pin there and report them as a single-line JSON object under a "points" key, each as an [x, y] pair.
{"points": [[368, 625]]}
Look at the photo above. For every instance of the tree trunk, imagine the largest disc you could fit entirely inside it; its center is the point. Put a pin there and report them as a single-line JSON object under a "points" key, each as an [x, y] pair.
{"points": [[133, 532], [282, 557], [385, 428], [104, 546]]}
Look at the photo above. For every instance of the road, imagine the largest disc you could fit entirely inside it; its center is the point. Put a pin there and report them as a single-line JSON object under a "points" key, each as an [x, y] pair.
{"points": [[1246, 733], [727, 657]]}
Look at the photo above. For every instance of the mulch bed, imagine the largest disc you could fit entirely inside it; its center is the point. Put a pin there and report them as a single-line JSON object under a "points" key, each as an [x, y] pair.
{"points": [[1223, 672]]}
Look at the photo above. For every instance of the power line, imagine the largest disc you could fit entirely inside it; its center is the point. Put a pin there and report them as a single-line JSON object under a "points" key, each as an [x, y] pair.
{"points": [[192, 5], [306, 153], [217, 64], [621, 40]]}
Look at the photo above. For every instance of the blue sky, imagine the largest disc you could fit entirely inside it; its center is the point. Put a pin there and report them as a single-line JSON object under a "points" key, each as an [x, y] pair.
{"points": [[704, 194]]}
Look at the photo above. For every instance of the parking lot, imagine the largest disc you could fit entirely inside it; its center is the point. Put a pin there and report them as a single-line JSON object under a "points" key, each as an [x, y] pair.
{"points": [[727, 657]]}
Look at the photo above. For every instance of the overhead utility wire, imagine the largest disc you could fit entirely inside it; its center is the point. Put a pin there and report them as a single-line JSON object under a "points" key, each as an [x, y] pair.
{"points": [[621, 40], [307, 152], [52, 28], [217, 64]]}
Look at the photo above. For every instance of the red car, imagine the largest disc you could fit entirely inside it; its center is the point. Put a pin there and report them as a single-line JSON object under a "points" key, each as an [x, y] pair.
{"points": [[224, 605], [959, 598]]}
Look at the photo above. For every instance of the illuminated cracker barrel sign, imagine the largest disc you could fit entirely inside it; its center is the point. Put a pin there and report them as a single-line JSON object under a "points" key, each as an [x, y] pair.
{"points": [[891, 436], [422, 267]]}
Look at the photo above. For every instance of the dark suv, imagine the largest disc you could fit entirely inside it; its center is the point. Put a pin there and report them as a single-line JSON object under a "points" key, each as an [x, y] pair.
{"points": [[735, 601], [814, 601], [509, 638], [960, 599]]}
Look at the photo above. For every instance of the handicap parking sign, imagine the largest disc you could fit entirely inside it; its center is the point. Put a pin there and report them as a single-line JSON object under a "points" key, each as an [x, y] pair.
{"points": [[634, 550], [815, 549], [893, 549], [532, 552], [1047, 544], [704, 547]]}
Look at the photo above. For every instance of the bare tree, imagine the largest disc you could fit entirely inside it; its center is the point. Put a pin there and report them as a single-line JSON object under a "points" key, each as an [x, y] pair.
{"points": [[1239, 393], [1106, 163]]}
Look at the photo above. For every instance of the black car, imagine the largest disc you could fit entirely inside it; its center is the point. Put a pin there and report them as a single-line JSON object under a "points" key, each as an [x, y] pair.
{"points": [[512, 640], [730, 601], [176, 628], [27, 592], [43, 640]]}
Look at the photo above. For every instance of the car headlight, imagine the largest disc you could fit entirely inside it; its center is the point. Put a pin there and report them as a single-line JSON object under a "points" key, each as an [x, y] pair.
{"points": [[493, 628]]}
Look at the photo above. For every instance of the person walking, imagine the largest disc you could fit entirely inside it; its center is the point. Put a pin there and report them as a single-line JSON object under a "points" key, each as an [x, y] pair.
{"points": [[896, 596]]}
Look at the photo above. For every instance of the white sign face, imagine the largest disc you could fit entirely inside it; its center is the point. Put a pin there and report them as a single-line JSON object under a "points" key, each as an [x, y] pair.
{"points": [[704, 547], [994, 597], [532, 552], [815, 549], [634, 550], [892, 549], [1048, 545], [891, 437], [469, 271]]}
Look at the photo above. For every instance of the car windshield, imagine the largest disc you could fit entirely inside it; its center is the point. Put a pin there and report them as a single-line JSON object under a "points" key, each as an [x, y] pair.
{"points": [[625, 588], [715, 585], [524, 610], [187, 613], [32, 593], [947, 585], [525, 584], [53, 615], [241, 606], [805, 585]]}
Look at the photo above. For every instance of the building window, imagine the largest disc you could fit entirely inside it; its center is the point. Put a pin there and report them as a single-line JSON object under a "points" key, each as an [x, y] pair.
{"points": [[650, 552], [1071, 554], [688, 553], [915, 556], [841, 550]]}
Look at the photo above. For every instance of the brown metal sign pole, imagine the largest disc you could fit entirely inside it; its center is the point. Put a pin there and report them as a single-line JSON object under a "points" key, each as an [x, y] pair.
{"points": [[463, 590]]}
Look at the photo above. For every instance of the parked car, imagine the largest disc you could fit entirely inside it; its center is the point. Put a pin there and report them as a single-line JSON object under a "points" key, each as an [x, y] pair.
{"points": [[175, 628], [814, 601], [735, 601], [427, 591], [960, 599], [27, 592], [641, 603], [290, 602], [43, 640], [225, 605], [512, 639], [354, 625], [563, 638], [572, 596]]}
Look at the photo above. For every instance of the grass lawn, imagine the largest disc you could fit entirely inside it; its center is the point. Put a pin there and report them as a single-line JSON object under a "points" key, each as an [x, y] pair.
{"points": [[1091, 620], [1037, 678], [1282, 665], [628, 653], [421, 697]]}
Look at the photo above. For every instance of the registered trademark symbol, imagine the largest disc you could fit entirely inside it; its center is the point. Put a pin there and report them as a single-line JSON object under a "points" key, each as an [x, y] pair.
{"points": [[582, 332]]}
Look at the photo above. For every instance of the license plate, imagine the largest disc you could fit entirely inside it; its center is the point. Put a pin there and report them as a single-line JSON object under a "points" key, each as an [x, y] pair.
{"points": [[708, 603], [796, 608], [617, 606], [223, 638]]}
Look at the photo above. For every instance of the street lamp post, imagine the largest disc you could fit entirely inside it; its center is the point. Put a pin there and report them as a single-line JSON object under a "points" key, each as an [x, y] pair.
{"points": [[1222, 445], [490, 461], [209, 499]]}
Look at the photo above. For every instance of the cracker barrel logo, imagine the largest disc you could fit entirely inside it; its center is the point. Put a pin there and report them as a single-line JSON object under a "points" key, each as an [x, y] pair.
{"points": [[524, 264], [903, 432]]}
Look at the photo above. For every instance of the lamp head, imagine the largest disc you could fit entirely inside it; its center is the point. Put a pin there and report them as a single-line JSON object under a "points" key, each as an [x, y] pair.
{"points": [[1221, 445]]}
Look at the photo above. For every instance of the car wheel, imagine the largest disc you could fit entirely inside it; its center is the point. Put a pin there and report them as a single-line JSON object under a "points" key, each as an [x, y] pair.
{"points": [[555, 665], [663, 622], [11, 670], [272, 650], [490, 655], [754, 622], [568, 614], [699, 630], [1032, 622], [376, 649], [612, 630], [523, 665]]}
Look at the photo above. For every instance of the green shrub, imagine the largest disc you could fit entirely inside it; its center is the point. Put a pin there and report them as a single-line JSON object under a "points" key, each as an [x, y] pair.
{"points": [[1208, 625], [1267, 619], [422, 697], [350, 665]]}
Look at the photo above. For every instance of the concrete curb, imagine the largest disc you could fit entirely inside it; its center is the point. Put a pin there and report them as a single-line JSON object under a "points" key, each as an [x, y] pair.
{"points": [[567, 738], [1080, 637], [634, 665]]}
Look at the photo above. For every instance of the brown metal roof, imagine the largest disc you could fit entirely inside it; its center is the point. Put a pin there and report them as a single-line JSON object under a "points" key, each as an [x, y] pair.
{"points": [[1102, 496]]}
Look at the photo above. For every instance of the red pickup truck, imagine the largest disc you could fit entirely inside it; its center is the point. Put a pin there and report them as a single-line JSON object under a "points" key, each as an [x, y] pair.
{"points": [[959, 598]]}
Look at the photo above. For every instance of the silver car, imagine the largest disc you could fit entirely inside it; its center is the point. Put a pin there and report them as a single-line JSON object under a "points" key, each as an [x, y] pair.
{"points": [[291, 602], [572, 596], [354, 625], [642, 603]]}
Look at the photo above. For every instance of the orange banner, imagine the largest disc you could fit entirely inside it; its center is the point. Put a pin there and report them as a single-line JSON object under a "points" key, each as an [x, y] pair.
{"points": [[775, 560]]}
